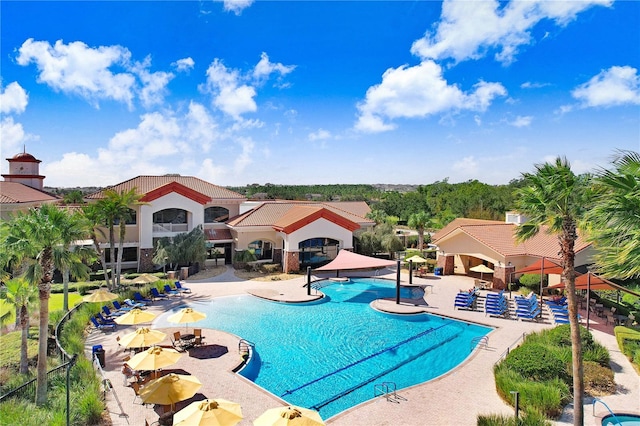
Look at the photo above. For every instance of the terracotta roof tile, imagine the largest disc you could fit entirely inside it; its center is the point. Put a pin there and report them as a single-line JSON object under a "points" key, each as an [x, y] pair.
{"points": [[14, 192], [500, 237], [146, 184]]}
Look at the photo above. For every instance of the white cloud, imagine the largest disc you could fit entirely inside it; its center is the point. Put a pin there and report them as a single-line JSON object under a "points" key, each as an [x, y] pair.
{"points": [[477, 120], [79, 69], [468, 166], [612, 87], [469, 29], [230, 95], [13, 99], [12, 136], [154, 84], [161, 143], [522, 121], [244, 159], [183, 65], [419, 91], [264, 68], [236, 6], [320, 134], [533, 85]]}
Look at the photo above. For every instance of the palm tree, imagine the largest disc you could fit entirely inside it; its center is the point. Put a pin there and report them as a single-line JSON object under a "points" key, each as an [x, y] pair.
{"points": [[419, 221], [32, 237], [93, 222], [614, 218], [554, 197], [20, 294]]}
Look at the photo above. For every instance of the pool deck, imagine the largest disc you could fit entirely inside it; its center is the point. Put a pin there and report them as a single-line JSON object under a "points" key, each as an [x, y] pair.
{"points": [[455, 398]]}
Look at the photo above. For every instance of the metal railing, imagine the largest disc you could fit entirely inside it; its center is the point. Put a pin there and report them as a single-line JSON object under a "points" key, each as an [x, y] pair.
{"points": [[504, 354]]}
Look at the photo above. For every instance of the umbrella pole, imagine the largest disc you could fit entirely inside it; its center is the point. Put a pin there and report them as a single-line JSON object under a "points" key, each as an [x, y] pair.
{"points": [[398, 283]]}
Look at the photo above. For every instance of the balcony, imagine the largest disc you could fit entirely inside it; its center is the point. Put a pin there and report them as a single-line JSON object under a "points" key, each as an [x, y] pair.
{"points": [[161, 228]]}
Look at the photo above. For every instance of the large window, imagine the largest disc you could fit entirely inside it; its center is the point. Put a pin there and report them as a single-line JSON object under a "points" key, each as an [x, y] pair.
{"points": [[318, 251], [129, 254], [262, 249], [170, 216], [216, 214]]}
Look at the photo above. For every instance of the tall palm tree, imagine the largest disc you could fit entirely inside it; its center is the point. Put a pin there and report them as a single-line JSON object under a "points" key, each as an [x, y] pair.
{"points": [[554, 197], [20, 294], [93, 221], [614, 218], [419, 221], [32, 237]]}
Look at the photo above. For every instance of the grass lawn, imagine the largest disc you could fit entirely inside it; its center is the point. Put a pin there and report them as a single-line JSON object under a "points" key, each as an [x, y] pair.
{"points": [[55, 304]]}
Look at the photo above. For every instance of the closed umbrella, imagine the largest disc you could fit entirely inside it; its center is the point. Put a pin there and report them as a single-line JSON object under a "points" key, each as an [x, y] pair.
{"points": [[135, 316], [483, 269], [102, 295], [289, 416], [169, 389], [187, 315], [154, 358], [209, 412], [142, 338]]}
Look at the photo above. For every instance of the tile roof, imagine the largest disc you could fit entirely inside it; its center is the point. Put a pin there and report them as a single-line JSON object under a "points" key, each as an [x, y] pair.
{"points": [[14, 192], [270, 212], [499, 236], [146, 184]]}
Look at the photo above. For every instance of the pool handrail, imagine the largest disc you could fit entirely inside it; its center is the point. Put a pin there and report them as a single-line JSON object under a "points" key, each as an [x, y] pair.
{"points": [[593, 407]]}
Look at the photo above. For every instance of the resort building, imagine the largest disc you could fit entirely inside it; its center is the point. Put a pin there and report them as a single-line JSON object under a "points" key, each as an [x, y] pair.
{"points": [[466, 243]]}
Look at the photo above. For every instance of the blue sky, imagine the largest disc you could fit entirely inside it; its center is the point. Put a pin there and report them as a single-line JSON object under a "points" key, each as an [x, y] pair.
{"points": [[302, 92]]}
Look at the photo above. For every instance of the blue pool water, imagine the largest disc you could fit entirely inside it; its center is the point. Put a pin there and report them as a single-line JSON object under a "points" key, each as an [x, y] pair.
{"points": [[328, 355], [622, 419]]}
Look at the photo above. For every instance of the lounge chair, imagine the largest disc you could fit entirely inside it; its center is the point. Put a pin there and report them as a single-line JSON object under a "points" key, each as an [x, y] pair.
{"points": [[103, 327], [140, 299], [123, 309], [130, 303], [110, 314], [171, 292], [155, 294], [182, 289], [465, 300], [102, 320]]}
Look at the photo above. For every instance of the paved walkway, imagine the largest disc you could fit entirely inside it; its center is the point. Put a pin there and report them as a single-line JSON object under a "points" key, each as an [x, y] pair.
{"points": [[454, 398]]}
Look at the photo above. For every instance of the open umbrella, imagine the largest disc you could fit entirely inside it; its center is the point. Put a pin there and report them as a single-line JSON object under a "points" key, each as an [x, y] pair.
{"points": [[144, 279], [169, 389], [135, 316], [142, 338], [209, 412], [186, 315], [416, 259], [154, 358], [483, 269], [289, 416], [102, 295]]}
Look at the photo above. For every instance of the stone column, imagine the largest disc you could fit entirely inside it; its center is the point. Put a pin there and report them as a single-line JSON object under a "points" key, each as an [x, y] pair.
{"points": [[145, 262], [291, 262]]}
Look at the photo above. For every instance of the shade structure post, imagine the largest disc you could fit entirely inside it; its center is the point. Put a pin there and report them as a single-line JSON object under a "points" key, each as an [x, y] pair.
{"points": [[588, 297], [541, 276], [308, 280], [398, 283], [410, 271]]}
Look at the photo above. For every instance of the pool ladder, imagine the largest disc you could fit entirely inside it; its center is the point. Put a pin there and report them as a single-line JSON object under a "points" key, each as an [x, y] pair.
{"points": [[480, 340], [388, 390], [245, 346], [593, 407]]}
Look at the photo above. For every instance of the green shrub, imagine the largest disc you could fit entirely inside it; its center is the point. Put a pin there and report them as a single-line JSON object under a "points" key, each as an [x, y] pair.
{"points": [[536, 362], [598, 354], [528, 418], [598, 380], [532, 282], [561, 336]]}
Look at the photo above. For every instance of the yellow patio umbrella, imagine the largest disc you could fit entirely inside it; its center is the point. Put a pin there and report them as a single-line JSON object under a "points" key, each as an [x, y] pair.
{"points": [[209, 412], [483, 269], [186, 315], [289, 416], [142, 338], [416, 259], [135, 316], [169, 389], [102, 295], [154, 358], [144, 279]]}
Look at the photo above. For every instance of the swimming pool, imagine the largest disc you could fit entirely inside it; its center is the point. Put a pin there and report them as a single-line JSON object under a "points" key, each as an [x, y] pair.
{"points": [[329, 355], [621, 419]]}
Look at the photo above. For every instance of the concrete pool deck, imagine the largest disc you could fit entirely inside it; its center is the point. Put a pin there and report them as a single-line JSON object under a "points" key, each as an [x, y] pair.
{"points": [[455, 398]]}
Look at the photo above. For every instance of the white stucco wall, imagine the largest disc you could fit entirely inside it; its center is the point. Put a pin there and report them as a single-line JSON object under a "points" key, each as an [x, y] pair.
{"points": [[320, 228], [169, 201]]}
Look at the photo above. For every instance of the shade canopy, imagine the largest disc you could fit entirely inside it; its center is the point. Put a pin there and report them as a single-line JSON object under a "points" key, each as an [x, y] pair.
{"points": [[543, 266], [483, 269], [154, 358], [144, 279], [169, 389], [135, 316], [416, 259], [346, 260], [289, 416], [594, 282], [186, 315], [209, 412], [142, 338], [102, 295]]}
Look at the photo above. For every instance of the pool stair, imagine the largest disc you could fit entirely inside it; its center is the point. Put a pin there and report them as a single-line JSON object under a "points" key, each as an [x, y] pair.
{"points": [[245, 346], [388, 390]]}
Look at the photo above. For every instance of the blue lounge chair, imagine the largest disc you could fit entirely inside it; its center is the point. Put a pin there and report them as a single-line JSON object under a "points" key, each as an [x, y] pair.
{"points": [[121, 308], [139, 299], [102, 320], [171, 292], [130, 303], [156, 294], [465, 301], [102, 327], [182, 289], [110, 314]]}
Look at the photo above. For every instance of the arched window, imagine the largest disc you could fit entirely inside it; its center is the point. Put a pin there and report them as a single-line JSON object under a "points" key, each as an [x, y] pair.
{"points": [[318, 251], [170, 216], [216, 214]]}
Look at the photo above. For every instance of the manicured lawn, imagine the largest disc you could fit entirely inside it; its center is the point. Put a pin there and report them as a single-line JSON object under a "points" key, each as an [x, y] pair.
{"points": [[55, 304]]}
